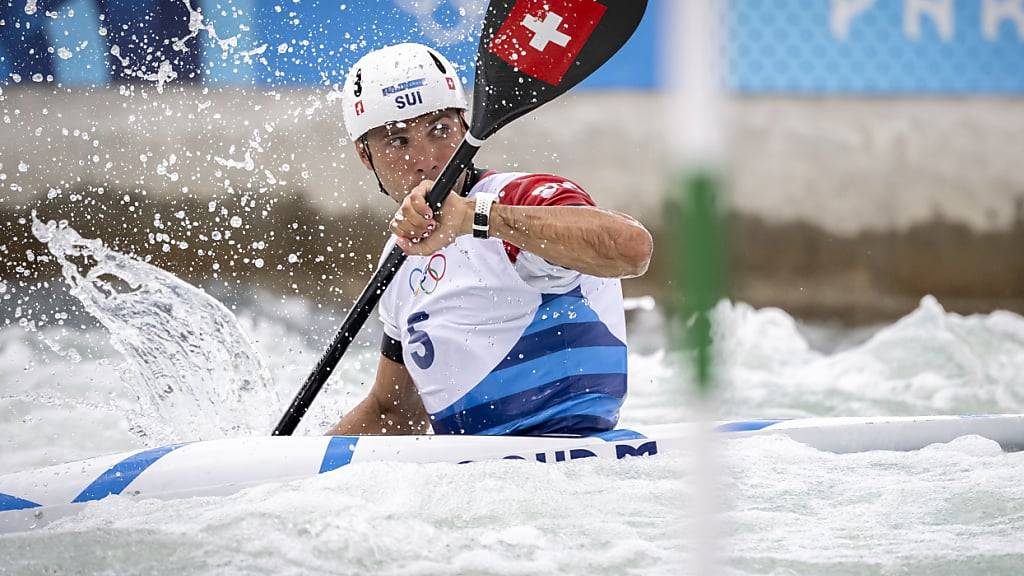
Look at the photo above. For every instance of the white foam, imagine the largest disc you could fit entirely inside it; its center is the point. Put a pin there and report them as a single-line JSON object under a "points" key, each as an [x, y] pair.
{"points": [[788, 508]]}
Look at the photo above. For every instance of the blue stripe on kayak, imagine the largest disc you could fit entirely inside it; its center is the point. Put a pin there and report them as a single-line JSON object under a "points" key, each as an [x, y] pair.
{"points": [[8, 502], [620, 434], [120, 475], [339, 452], [746, 425]]}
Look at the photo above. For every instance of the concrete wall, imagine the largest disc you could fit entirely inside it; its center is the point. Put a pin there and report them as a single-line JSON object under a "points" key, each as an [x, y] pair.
{"points": [[814, 180]]}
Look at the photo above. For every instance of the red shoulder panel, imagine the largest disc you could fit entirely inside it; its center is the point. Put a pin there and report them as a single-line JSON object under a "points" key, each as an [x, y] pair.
{"points": [[541, 190]]}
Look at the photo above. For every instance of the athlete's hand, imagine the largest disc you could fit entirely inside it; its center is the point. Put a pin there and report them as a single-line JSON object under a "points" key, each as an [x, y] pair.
{"points": [[420, 231]]}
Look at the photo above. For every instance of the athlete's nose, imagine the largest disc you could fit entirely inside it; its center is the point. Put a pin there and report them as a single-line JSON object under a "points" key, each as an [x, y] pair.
{"points": [[429, 171], [425, 163]]}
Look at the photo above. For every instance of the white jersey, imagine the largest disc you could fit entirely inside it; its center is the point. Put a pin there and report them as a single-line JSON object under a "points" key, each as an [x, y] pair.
{"points": [[500, 341]]}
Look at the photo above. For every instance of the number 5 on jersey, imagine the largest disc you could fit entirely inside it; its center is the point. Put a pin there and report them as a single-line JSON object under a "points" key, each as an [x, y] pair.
{"points": [[425, 358]]}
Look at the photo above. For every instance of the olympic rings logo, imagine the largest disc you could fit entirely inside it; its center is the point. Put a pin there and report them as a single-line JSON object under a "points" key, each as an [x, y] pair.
{"points": [[425, 282]]}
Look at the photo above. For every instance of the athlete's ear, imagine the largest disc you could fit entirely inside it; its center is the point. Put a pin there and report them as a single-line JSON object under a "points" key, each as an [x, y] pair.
{"points": [[364, 155]]}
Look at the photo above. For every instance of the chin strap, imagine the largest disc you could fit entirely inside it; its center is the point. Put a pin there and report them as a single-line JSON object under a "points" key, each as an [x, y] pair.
{"points": [[366, 148]]}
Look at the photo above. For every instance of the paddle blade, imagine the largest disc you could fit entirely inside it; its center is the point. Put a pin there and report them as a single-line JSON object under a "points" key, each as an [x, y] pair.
{"points": [[531, 51]]}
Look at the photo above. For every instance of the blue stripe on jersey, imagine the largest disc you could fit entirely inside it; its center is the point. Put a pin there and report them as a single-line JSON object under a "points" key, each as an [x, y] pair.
{"points": [[530, 401], [566, 374], [559, 337], [575, 424], [556, 309], [596, 405], [529, 375]]}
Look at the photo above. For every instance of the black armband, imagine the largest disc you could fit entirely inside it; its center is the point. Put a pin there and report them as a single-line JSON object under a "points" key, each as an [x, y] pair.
{"points": [[391, 349]]}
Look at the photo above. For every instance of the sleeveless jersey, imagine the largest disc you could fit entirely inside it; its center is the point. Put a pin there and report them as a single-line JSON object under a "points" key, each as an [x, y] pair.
{"points": [[499, 341]]}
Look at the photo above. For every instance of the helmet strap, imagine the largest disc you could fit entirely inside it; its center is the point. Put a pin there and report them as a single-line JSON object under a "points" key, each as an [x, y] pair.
{"points": [[365, 143]]}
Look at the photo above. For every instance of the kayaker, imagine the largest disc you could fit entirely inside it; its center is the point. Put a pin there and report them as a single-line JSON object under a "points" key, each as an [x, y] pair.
{"points": [[507, 317]]}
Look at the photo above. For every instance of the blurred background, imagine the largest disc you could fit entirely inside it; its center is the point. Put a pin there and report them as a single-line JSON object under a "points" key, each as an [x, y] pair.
{"points": [[874, 156]]}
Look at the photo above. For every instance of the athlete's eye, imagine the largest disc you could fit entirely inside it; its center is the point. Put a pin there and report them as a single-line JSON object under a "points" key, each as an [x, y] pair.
{"points": [[398, 141], [441, 129]]}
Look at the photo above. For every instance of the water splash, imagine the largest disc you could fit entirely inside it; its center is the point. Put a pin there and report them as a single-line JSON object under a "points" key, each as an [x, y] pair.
{"points": [[196, 374]]}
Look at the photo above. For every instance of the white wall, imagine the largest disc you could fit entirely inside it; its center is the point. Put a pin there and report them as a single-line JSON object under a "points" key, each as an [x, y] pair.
{"points": [[846, 165]]}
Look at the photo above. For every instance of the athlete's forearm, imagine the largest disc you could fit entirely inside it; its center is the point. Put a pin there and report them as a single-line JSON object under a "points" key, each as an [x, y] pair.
{"points": [[583, 238], [370, 418], [365, 418]]}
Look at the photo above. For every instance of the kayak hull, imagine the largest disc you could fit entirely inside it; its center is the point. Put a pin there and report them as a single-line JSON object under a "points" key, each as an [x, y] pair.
{"points": [[34, 498]]}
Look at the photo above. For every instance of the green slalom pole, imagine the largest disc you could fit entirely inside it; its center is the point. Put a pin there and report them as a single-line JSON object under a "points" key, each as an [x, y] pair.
{"points": [[699, 177], [699, 274], [698, 280], [698, 181]]}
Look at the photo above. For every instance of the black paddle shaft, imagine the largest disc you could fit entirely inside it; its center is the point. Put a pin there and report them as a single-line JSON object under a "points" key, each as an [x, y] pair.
{"points": [[530, 52]]}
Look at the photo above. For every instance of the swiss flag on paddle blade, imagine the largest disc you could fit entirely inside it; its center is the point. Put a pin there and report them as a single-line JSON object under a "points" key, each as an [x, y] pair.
{"points": [[543, 37]]}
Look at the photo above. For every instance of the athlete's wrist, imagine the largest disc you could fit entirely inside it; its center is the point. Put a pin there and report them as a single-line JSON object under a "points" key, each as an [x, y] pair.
{"points": [[499, 215], [467, 206]]}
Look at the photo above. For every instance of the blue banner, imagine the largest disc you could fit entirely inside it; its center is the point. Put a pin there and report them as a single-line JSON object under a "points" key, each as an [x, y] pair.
{"points": [[774, 46], [877, 46]]}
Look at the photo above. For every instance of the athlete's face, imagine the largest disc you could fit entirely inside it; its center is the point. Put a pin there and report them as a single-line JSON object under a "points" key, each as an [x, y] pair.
{"points": [[408, 152]]}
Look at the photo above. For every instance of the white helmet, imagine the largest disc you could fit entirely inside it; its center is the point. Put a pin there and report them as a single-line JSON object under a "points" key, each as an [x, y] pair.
{"points": [[398, 83]]}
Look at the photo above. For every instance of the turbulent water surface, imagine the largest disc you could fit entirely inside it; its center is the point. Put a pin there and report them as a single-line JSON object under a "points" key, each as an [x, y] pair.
{"points": [[164, 361]]}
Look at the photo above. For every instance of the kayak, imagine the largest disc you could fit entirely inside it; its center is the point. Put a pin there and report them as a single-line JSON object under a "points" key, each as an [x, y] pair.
{"points": [[33, 498]]}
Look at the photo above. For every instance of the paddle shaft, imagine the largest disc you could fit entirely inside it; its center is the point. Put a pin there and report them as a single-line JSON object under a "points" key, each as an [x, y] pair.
{"points": [[368, 299]]}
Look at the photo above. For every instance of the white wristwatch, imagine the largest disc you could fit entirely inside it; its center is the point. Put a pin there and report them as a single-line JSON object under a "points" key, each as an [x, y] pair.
{"points": [[482, 214]]}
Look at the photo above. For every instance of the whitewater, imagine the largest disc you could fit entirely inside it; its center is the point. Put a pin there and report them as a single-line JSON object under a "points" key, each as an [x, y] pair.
{"points": [[123, 355]]}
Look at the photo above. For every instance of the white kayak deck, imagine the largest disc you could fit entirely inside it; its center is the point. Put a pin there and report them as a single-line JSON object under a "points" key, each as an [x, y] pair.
{"points": [[219, 467]]}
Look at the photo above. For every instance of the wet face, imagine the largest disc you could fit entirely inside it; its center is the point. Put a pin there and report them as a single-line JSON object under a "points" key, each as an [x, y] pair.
{"points": [[408, 152]]}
